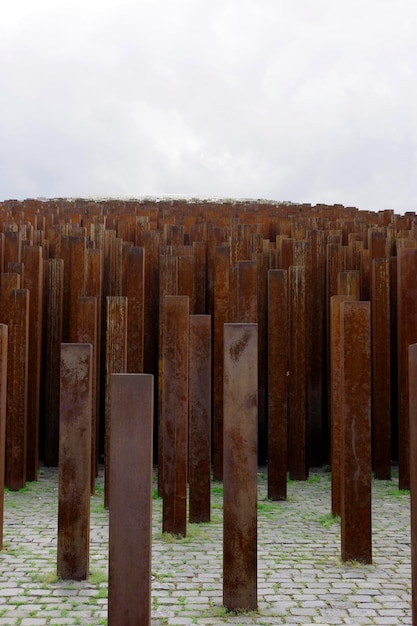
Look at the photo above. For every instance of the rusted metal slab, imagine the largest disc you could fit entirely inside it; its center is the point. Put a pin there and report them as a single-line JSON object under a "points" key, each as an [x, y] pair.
{"points": [[73, 545], [240, 467], [277, 353], [200, 276], [199, 443], [349, 284], [336, 398], [247, 292], [220, 317], [3, 399], [381, 369], [356, 533], [17, 388], [130, 502], [33, 281], [175, 351], [12, 247], [134, 289], [53, 297], [116, 363], [412, 387], [297, 401], [407, 334], [75, 269]]}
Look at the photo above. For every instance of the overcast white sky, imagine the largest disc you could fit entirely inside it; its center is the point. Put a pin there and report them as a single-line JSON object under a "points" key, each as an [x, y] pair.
{"points": [[301, 100]]}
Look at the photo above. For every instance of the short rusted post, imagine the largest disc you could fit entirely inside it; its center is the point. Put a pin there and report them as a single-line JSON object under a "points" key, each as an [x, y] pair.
{"points": [[17, 387], [74, 462], [381, 370], [240, 466], [130, 500], [412, 377], [336, 398], [199, 445], [297, 453], [175, 414], [277, 384], [116, 363], [3, 397], [356, 537]]}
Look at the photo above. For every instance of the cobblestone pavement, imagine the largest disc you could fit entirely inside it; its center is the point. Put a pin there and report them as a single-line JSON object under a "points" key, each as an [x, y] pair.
{"points": [[301, 579]]}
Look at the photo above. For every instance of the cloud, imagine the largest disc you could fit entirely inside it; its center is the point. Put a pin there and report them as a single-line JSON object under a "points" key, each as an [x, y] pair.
{"points": [[302, 101]]}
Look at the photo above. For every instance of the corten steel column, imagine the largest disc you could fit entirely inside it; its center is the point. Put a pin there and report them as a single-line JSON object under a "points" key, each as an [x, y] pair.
{"points": [[130, 505], [394, 356], [199, 444], [412, 375], [277, 384], [221, 313], [17, 388], [12, 247], [356, 535], [336, 398], [53, 295], [3, 397], [33, 280], [381, 370], [87, 333], [134, 289], [116, 363], [186, 279], [365, 275], [247, 292], [407, 334], [200, 279], [75, 271], [74, 462], [240, 466], [297, 415], [349, 284], [7, 283], [150, 341], [175, 414]]}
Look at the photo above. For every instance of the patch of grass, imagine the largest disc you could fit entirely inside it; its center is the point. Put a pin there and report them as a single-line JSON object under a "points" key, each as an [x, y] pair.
{"points": [[155, 495], [329, 520], [398, 493], [217, 490], [97, 577], [314, 478]]}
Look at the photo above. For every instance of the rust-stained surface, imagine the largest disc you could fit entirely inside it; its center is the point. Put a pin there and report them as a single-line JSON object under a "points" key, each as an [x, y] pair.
{"points": [[277, 384], [199, 440], [130, 500], [17, 387], [349, 283], [412, 374], [297, 390], [381, 368], [73, 547], [175, 414], [247, 292], [356, 532], [336, 398], [134, 289], [240, 466], [3, 397]]}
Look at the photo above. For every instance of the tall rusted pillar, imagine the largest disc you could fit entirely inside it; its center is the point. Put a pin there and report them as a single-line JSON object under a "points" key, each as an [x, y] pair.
{"points": [[407, 334], [175, 414], [297, 414], [412, 377], [381, 370], [199, 445], [17, 387], [130, 500], [134, 289], [240, 466], [277, 384], [356, 537], [3, 397], [74, 462]]}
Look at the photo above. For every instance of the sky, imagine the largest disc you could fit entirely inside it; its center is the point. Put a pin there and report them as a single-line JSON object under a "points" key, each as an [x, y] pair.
{"points": [[288, 100]]}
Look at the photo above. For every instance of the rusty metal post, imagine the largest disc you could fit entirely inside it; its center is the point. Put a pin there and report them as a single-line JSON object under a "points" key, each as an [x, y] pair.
{"points": [[74, 462], [220, 317], [3, 398], [407, 334], [175, 414], [356, 537], [33, 281], [199, 445], [412, 387], [349, 284], [247, 292], [297, 417], [53, 272], [134, 289], [116, 363], [130, 502], [277, 384], [381, 368], [17, 388], [336, 404], [240, 466]]}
